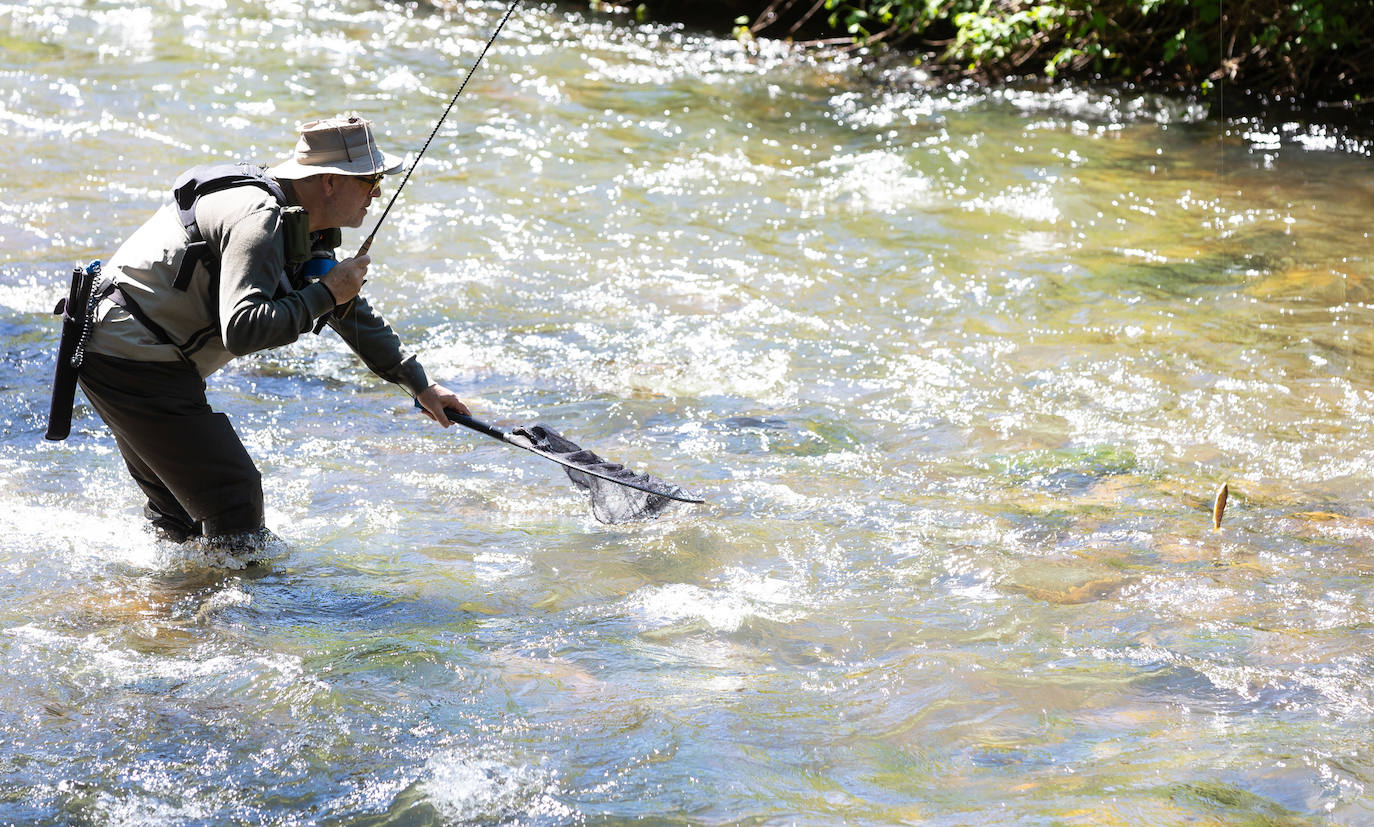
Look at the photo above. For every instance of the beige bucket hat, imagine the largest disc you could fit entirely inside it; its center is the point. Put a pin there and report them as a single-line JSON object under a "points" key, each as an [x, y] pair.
{"points": [[344, 146]]}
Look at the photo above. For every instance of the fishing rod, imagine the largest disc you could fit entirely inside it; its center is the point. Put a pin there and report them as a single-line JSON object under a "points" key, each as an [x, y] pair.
{"points": [[367, 243], [344, 309]]}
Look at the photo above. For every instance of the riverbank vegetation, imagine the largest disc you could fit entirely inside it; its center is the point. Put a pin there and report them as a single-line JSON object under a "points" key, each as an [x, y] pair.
{"points": [[1316, 52]]}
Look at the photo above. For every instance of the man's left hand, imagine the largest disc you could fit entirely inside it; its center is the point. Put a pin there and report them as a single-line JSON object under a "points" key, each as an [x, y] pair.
{"points": [[437, 397]]}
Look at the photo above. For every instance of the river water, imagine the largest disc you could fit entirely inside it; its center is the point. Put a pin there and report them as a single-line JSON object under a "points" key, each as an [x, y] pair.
{"points": [[958, 371]]}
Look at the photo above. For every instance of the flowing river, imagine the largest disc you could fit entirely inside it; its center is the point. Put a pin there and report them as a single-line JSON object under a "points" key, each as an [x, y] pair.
{"points": [[958, 371]]}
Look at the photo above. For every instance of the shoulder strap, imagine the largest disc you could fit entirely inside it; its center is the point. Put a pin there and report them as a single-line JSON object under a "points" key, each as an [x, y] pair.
{"points": [[199, 181]]}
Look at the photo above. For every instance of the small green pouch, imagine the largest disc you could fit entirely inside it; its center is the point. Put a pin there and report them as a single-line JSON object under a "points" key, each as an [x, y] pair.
{"points": [[296, 235]]}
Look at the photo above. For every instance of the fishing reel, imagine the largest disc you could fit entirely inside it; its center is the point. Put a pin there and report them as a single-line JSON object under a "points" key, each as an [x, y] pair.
{"points": [[319, 263]]}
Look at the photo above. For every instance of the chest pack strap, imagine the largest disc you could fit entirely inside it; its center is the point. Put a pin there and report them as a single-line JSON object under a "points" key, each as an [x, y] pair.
{"points": [[200, 181]]}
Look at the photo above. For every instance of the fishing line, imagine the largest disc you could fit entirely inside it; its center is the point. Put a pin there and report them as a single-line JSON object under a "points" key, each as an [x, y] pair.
{"points": [[347, 308], [367, 244]]}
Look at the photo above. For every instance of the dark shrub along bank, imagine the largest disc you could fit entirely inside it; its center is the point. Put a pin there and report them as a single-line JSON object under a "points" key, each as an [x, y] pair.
{"points": [[1316, 50]]}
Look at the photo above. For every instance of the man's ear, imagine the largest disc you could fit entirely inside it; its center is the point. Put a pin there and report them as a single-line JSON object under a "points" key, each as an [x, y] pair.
{"points": [[312, 187]]}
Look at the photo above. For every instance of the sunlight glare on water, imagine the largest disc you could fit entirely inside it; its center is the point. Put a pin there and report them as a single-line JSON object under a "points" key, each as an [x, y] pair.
{"points": [[958, 370]]}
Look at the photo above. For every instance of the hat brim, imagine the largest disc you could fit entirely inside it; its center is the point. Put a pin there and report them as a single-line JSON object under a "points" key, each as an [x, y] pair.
{"points": [[293, 170]]}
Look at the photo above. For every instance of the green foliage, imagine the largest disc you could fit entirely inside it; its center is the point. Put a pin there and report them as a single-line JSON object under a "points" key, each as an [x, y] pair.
{"points": [[866, 19], [1316, 47], [989, 36]]}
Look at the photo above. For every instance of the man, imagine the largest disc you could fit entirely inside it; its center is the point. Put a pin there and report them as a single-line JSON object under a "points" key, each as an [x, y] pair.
{"points": [[219, 273]]}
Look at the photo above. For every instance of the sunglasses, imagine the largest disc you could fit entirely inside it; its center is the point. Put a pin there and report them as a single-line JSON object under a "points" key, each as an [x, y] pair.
{"points": [[372, 181]]}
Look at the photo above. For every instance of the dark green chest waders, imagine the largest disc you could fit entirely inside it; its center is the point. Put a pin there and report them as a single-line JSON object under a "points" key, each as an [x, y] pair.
{"points": [[78, 309]]}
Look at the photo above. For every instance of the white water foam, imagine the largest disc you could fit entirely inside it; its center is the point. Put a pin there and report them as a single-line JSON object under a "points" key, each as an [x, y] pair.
{"points": [[470, 788], [725, 610]]}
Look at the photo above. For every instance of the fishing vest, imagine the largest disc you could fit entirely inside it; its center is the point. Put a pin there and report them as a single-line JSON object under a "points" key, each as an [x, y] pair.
{"points": [[167, 274]]}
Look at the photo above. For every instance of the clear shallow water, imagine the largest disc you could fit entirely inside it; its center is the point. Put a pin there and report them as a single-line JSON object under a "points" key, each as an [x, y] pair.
{"points": [[959, 372]]}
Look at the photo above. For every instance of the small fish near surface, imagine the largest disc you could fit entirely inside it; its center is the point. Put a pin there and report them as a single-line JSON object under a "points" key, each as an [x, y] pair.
{"points": [[1219, 505]]}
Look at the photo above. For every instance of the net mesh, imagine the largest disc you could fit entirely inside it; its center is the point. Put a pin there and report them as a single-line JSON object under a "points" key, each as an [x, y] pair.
{"points": [[632, 496]]}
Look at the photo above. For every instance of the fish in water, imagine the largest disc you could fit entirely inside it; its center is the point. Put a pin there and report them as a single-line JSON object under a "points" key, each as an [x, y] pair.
{"points": [[1219, 505]]}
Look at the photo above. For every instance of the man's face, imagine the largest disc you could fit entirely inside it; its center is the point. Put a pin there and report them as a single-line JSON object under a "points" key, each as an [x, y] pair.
{"points": [[352, 195]]}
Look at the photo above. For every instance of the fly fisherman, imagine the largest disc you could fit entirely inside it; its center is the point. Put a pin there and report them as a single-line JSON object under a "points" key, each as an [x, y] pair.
{"points": [[218, 272]]}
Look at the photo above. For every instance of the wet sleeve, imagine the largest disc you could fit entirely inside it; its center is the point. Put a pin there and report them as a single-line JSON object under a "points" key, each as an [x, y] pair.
{"points": [[252, 315], [368, 334]]}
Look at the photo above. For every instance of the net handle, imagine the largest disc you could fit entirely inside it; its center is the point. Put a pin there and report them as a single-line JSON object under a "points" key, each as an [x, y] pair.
{"points": [[474, 423]]}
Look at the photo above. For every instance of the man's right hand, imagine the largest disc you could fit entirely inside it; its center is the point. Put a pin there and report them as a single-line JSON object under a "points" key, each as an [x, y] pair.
{"points": [[347, 277]]}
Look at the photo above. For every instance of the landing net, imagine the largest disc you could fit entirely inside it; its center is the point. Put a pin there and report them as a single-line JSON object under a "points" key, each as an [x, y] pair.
{"points": [[618, 494]]}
